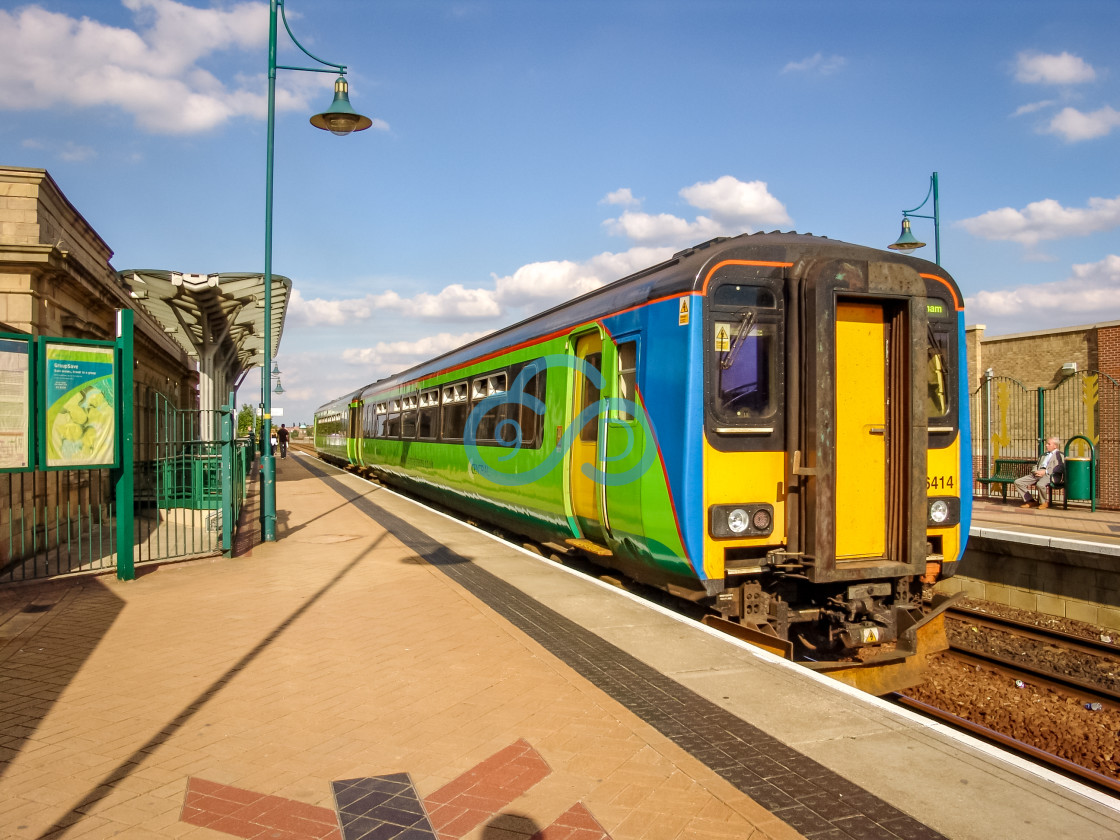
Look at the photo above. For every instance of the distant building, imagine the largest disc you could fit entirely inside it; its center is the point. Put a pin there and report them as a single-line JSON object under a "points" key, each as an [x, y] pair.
{"points": [[1062, 382]]}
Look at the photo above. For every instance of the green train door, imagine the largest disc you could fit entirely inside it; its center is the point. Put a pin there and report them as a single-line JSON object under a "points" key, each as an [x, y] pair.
{"points": [[584, 492], [354, 432]]}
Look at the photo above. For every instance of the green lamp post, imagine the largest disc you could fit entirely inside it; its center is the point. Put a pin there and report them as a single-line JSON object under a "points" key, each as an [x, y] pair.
{"points": [[338, 119], [907, 241]]}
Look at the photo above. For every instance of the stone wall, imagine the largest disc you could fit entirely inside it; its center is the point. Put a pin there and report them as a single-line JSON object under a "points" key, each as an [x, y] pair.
{"points": [[56, 280], [1034, 358], [1039, 577]]}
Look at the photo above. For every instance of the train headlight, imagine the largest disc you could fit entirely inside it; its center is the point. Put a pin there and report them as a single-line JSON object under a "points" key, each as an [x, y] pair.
{"points": [[743, 520], [737, 521], [943, 512]]}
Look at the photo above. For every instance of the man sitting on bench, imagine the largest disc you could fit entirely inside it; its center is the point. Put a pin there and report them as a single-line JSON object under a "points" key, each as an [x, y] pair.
{"points": [[1048, 470]]}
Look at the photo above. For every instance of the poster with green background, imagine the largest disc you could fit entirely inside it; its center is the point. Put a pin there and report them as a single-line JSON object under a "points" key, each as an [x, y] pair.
{"points": [[81, 406]]}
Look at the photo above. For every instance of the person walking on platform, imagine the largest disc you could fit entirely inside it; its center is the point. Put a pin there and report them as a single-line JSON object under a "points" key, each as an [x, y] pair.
{"points": [[1048, 470], [282, 436]]}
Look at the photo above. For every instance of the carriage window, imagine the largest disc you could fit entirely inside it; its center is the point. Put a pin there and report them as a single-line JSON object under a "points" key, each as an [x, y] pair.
{"points": [[408, 416], [429, 413], [590, 430], [746, 370], [531, 422], [482, 387], [454, 417], [380, 419], [393, 423], [628, 376]]}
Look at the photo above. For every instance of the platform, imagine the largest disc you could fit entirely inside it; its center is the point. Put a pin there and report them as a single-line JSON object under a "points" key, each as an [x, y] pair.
{"points": [[1076, 529], [385, 669]]}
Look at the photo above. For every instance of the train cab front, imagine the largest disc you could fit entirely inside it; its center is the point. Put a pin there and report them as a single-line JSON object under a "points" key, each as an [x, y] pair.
{"points": [[832, 446]]}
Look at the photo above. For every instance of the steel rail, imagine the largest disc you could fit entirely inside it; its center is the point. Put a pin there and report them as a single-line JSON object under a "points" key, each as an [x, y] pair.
{"points": [[1043, 634], [1085, 692], [1070, 768]]}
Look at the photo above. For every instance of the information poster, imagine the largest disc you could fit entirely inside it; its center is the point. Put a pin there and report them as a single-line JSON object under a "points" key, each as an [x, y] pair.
{"points": [[80, 405], [15, 404]]}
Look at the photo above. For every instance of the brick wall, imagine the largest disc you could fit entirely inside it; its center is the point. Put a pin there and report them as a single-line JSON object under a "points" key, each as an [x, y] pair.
{"points": [[1036, 360]]}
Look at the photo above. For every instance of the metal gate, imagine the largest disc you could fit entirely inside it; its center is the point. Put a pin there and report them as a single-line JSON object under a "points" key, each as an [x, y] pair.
{"points": [[1012, 421], [178, 481], [189, 483]]}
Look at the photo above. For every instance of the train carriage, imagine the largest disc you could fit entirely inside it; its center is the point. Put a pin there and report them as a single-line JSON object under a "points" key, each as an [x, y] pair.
{"points": [[774, 425]]}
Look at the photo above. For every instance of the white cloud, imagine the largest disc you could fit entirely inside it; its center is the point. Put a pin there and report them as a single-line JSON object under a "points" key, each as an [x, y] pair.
{"points": [[536, 286], [1031, 107], [152, 72], [391, 356], [622, 196], [73, 153], [1046, 219], [817, 63], [532, 288], [648, 229], [1090, 294], [733, 207], [1073, 125], [1042, 68], [453, 301]]}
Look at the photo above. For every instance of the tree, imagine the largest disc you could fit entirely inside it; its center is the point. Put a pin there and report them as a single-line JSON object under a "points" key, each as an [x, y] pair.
{"points": [[245, 421]]}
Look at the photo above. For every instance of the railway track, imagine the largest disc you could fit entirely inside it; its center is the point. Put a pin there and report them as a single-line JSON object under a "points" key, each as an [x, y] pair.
{"points": [[1019, 672], [1087, 691]]}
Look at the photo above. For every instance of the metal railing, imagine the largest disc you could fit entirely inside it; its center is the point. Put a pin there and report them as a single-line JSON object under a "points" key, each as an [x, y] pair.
{"points": [[1012, 421]]}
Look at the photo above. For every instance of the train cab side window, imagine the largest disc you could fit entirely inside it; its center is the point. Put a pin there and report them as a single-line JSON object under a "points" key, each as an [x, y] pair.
{"points": [[380, 420], [937, 400], [747, 359], [590, 429], [746, 355], [454, 415], [429, 414], [627, 376]]}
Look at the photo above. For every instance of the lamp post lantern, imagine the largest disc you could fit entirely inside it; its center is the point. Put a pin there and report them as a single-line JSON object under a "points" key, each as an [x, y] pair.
{"points": [[338, 119], [907, 241]]}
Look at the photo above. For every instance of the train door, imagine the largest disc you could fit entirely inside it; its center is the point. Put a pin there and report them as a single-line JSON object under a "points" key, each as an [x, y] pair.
{"points": [[585, 492], [354, 432], [862, 356]]}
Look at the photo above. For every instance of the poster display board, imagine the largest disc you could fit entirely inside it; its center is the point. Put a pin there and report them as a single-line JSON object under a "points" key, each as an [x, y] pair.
{"points": [[16, 453], [79, 409]]}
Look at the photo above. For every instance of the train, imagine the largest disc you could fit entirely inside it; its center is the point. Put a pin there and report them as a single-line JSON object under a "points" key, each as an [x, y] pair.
{"points": [[772, 426]]}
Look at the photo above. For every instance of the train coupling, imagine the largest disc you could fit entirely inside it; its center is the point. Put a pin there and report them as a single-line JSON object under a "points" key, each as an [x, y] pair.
{"points": [[858, 634], [920, 635]]}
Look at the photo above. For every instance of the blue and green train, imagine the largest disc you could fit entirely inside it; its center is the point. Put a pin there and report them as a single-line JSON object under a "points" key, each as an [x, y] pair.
{"points": [[772, 425]]}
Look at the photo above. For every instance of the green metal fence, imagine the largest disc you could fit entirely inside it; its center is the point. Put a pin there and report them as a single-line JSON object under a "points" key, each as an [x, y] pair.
{"points": [[1013, 421], [62, 522], [56, 523]]}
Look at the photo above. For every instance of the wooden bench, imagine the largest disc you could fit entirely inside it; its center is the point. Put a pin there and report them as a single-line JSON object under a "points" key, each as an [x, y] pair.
{"points": [[1009, 469]]}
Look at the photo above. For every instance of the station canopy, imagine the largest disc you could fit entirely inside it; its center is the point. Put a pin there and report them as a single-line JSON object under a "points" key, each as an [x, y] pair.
{"points": [[216, 318]]}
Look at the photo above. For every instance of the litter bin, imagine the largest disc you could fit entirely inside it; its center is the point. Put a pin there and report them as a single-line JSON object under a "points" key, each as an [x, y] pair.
{"points": [[1079, 476]]}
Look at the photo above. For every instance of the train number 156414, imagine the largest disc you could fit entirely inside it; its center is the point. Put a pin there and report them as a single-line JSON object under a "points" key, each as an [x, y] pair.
{"points": [[939, 482]]}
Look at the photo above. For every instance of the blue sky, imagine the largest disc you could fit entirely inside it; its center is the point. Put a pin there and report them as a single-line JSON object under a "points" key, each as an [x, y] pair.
{"points": [[527, 150]]}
